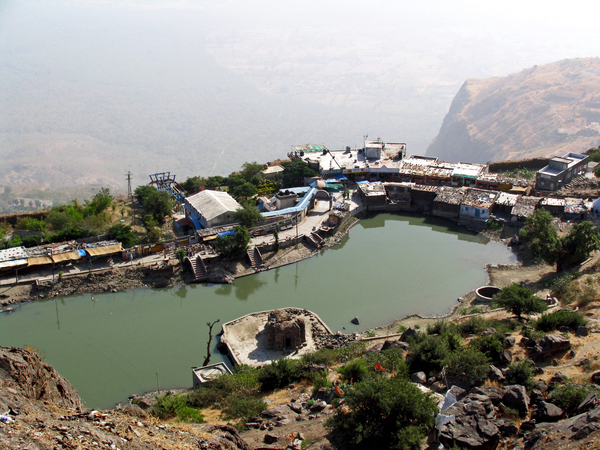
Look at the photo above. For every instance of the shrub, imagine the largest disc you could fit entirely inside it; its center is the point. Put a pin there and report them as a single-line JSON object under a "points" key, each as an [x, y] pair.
{"points": [[278, 374], [322, 357], [168, 406], [569, 396], [320, 380], [557, 319], [391, 360], [520, 373], [469, 364], [473, 325], [241, 408], [489, 345], [427, 355], [356, 370], [384, 413], [352, 351]]}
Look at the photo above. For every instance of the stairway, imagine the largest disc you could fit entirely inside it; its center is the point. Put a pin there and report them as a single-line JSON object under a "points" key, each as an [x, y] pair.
{"points": [[256, 259], [198, 267]]}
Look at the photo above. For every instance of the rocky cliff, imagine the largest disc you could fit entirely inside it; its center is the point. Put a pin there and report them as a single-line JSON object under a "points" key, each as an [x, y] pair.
{"points": [[541, 111], [42, 410]]}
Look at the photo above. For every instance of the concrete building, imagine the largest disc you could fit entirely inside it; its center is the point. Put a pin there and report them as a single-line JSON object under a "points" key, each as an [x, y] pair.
{"points": [[477, 204], [447, 202], [272, 172], [209, 209], [560, 171]]}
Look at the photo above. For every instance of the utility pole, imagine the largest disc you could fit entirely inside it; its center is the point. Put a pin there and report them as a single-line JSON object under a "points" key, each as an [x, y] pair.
{"points": [[129, 193]]}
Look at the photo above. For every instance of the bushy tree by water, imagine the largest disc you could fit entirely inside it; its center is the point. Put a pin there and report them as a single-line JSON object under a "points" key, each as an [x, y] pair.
{"points": [[519, 300]]}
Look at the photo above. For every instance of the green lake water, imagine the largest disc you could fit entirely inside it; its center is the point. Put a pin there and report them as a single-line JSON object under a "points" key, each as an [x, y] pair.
{"points": [[110, 346]]}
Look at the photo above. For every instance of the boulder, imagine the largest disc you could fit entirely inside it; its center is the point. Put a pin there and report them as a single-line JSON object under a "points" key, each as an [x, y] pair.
{"points": [[376, 348], [506, 427], [549, 346], [407, 334], [270, 438], [583, 331], [516, 397], [509, 341], [548, 412], [489, 332], [395, 344], [419, 377], [588, 403], [595, 378], [536, 397], [470, 432], [458, 392], [505, 356], [557, 378], [319, 406], [492, 392], [495, 374], [355, 321]]}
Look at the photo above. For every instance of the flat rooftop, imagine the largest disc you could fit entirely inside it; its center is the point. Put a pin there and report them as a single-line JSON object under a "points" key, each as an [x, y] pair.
{"points": [[247, 342]]}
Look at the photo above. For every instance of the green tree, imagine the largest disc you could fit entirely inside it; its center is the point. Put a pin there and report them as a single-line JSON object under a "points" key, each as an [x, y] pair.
{"points": [[252, 172], [384, 412], [248, 216], [235, 246], [215, 181], [180, 254], [123, 234], [519, 300], [427, 354], [142, 192], [577, 246], [100, 201], [597, 171], [467, 364], [541, 237], [192, 185], [159, 204], [295, 171]]}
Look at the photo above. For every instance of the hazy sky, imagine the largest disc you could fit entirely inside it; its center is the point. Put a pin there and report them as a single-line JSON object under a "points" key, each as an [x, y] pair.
{"points": [[383, 68]]}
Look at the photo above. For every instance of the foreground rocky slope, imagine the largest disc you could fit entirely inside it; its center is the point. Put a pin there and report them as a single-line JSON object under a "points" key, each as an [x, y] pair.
{"points": [[540, 111], [42, 410]]}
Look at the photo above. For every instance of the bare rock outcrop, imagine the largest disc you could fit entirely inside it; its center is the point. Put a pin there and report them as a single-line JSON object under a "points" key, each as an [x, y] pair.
{"points": [[36, 380]]}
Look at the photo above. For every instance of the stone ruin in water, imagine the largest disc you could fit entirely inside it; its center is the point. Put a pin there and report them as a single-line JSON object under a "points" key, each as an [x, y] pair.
{"points": [[284, 331]]}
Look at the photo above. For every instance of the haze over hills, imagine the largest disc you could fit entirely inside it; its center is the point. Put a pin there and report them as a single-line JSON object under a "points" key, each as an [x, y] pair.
{"points": [[93, 89], [545, 110]]}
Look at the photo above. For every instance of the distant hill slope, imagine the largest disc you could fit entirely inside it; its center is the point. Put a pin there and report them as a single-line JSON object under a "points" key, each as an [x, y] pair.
{"points": [[541, 111]]}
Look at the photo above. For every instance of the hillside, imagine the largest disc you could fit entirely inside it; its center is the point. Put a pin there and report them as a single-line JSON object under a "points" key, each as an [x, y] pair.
{"points": [[540, 111]]}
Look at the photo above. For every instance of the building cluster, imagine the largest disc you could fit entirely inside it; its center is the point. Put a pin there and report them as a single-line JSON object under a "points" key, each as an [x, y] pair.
{"points": [[464, 203], [55, 255], [386, 176]]}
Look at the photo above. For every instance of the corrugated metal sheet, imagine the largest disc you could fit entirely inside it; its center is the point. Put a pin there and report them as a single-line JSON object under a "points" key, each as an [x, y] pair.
{"points": [[67, 256], [38, 261], [106, 250], [13, 264]]}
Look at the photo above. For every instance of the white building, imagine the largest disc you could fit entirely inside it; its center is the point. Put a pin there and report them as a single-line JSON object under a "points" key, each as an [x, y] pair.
{"points": [[209, 209]]}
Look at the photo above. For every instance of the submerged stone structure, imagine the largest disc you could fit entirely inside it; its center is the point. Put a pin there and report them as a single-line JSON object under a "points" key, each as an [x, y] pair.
{"points": [[284, 331]]}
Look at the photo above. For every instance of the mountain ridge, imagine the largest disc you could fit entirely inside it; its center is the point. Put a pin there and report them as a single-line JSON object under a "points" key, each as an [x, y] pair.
{"points": [[540, 111]]}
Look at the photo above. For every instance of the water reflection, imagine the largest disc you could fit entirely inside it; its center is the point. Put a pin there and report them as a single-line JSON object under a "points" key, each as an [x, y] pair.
{"points": [[181, 292]]}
